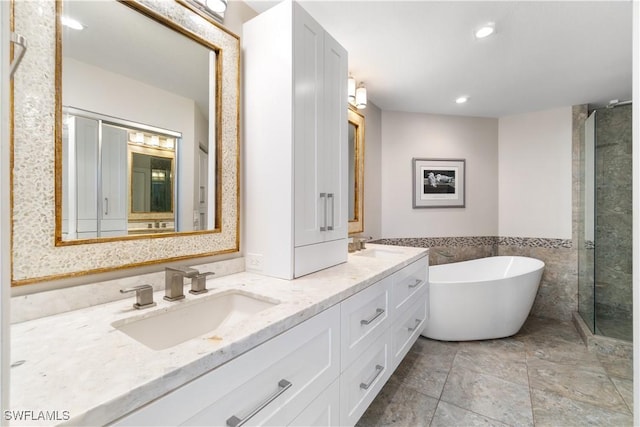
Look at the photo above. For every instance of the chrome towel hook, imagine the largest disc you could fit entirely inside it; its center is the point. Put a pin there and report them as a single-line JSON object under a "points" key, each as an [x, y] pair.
{"points": [[22, 43]]}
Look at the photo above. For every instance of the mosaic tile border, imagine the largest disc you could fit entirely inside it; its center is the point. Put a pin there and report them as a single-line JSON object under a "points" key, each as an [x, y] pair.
{"points": [[427, 242]]}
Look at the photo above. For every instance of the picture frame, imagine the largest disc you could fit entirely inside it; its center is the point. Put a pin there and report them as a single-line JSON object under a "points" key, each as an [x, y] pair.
{"points": [[438, 183]]}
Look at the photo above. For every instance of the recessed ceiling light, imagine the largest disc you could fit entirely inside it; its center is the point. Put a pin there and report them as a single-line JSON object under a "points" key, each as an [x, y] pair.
{"points": [[71, 23], [462, 99], [486, 30]]}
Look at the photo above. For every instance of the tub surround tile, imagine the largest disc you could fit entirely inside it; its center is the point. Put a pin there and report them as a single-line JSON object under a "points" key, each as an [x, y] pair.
{"points": [[550, 409], [557, 296], [69, 360]]}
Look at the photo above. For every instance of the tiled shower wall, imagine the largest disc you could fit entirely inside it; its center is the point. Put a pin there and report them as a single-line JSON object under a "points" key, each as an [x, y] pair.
{"points": [[613, 246], [557, 295]]}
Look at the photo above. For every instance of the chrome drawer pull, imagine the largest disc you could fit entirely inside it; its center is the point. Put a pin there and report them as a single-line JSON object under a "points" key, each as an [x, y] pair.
{"points": [[418, 321], [379, 312], [379, 369], [330, 196], [415, 285], [324, 196], [237, 422]]}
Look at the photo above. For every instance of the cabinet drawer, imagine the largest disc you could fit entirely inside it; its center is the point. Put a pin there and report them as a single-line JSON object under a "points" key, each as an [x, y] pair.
{"points": [[323, 411], [408, 326], [360, 384], [365, 316], [281, 376], [407, 282]]}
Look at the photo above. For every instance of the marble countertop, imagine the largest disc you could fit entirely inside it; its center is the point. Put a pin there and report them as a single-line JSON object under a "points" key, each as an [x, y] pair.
{"points": [[82, 371]]}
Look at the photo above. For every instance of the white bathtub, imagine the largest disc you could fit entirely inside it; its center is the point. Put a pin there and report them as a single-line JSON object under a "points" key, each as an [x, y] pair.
{"points": [[481, 299]]}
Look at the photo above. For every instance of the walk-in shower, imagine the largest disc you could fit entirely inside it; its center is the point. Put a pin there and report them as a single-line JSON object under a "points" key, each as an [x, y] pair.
{"points": [[605, 237]]}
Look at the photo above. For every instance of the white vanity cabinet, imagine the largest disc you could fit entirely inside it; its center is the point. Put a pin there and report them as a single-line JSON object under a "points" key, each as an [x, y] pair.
{"points": [[325, 371], [391, 316], [296, 144], [269, 385]]}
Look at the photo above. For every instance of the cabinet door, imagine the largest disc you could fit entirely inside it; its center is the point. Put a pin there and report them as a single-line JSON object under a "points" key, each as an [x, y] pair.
{"points": [[86, 147], [309, 194], [271, 384], [334, 145], [114, 181], [324, 411]]}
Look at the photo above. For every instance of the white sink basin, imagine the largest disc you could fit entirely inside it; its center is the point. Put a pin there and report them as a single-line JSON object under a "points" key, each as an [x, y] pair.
{"points": [[378, 253], [186, 320]]}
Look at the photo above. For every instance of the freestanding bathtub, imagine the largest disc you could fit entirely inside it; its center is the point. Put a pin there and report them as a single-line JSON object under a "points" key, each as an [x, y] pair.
{"points": [[481, 299]]}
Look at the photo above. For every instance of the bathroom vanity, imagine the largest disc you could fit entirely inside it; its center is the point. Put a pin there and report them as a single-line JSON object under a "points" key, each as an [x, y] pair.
{"points": [[316, 353]]}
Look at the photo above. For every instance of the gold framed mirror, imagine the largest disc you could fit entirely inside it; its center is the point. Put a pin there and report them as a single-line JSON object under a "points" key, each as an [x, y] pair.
{"points": [[356, 171], [39, 250]]}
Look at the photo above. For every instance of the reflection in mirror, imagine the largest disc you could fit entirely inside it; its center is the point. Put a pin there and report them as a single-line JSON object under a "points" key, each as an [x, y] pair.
{"points": [[139, 126], [356, 172]]}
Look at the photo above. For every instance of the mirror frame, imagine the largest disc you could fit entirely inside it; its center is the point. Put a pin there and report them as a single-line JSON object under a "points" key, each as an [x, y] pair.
{"points": [[357, 225], [38, 252]]}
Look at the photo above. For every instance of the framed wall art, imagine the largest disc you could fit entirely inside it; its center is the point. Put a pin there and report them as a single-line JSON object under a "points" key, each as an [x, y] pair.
{"points": [[438, 183]]}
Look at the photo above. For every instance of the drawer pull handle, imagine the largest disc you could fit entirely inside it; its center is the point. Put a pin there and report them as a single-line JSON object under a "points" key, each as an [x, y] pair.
{"points": [[237, 422], [379, 312], [323, 196], [379, 369], [418, 321], [416, 284]]}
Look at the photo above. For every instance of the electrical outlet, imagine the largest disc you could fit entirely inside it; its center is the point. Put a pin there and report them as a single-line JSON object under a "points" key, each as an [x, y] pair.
{"points": [[253, 262]]}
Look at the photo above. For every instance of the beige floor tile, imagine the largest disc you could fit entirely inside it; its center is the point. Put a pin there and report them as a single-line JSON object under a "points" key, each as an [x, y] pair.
{"points": [[495, 364], [487, 395], [573, 382], [625, 388], [550, 409], [448, 415], [399, 405], [616, 366]]}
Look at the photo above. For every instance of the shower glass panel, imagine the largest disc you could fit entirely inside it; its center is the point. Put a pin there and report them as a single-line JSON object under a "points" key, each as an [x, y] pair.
{"points": [[605, 248], [586, 236]]}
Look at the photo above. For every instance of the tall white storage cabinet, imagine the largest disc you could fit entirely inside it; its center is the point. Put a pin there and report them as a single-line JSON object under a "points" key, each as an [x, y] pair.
{"points": [[295, 99]]}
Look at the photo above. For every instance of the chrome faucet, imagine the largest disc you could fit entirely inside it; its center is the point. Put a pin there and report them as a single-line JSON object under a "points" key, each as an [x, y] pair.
{"points": [[199, 283], [144, 296], [174, 281]]}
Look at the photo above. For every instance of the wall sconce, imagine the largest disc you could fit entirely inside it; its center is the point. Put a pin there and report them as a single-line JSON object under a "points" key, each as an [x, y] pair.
{"points": [[213, 8], [357, 96]]}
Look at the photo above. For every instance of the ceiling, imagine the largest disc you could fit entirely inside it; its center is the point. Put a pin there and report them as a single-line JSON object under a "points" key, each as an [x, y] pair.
{"points": [[419, 56], [137, 48]]}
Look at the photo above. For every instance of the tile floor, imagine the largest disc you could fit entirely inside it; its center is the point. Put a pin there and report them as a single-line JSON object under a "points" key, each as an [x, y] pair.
{"points": [[543, 376]]}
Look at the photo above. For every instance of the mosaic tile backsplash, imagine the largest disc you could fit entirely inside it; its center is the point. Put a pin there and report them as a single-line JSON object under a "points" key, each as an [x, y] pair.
{"points": [[558, 292]]}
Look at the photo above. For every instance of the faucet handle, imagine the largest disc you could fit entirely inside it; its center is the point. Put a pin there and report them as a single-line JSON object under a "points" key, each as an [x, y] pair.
{"points": [[144, 296], [199, 283]]}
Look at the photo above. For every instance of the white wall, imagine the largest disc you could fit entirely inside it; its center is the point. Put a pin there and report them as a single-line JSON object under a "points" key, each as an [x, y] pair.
{"points": [[409, 135], [100, 91], [535, 174]]}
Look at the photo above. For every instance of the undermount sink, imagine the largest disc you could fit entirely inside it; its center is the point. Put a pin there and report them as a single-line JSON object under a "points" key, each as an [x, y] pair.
{"points": [[378, 253], [165, 328]]}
